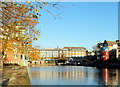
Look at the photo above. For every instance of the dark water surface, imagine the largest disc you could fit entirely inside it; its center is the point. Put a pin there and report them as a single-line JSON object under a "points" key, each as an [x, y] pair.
{"points": [[73, 75]]}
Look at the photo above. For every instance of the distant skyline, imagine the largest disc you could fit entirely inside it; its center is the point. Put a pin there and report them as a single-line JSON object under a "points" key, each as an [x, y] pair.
{"points": [[82, 24]]}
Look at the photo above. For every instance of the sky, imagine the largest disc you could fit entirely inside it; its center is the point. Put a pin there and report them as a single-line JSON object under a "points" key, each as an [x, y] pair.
{"points": [[82, 24], [62, 0]]}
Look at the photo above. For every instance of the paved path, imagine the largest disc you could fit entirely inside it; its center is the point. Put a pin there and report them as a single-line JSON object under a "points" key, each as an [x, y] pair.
{"points": [[17, 76]]}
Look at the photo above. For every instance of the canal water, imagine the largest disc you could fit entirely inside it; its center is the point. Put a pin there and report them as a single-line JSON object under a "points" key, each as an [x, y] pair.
{"points": [[73, 75]]}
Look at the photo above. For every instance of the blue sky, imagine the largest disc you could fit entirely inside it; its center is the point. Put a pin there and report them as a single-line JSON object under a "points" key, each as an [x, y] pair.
{"points": [[82, 24]]}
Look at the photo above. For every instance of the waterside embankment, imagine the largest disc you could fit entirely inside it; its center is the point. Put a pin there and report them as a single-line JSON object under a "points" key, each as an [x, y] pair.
{"points": [[15, 76]]}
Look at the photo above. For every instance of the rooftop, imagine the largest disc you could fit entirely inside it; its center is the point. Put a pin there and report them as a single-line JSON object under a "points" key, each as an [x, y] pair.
{"points": [[110, 43], [74, 48]]}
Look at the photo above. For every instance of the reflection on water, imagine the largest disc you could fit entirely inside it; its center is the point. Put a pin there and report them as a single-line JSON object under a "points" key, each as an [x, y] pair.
{"points": [[111, 76], [73, 75]]}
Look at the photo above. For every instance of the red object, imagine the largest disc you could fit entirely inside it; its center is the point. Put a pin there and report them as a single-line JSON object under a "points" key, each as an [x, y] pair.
{"points": [[105, 55]]}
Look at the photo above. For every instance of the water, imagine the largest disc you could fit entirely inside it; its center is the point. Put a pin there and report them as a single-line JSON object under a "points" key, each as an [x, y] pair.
{"points": [[73, 75]]}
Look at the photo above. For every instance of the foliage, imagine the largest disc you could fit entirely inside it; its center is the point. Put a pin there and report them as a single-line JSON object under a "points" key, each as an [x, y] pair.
{"points": [[18, 21], [34, 54]]}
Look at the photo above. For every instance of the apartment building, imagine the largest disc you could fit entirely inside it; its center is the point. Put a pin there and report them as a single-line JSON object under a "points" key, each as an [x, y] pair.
{"points": [[118, 49], [49, 53], [66, 52], [74, 51], [107, 50]]}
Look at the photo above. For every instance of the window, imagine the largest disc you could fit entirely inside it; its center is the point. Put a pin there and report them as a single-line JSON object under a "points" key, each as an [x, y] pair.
{"points": [[5, 56], [21, 57], [66, 51], [15, 56], [118, 44], [77, 52], [82, 52], [25, 58]]}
